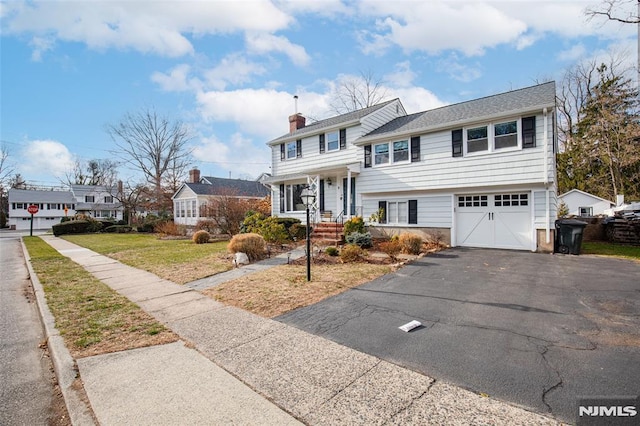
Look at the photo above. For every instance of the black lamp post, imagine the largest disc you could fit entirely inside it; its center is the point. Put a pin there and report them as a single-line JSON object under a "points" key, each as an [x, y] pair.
{"points": [[308, 198]]}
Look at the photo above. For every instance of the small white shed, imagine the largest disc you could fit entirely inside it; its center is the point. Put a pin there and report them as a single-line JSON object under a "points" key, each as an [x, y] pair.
{"points": [[583, 204]]}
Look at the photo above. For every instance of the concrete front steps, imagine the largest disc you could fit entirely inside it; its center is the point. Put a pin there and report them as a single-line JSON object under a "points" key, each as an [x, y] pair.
{"points": [[328, 234]]}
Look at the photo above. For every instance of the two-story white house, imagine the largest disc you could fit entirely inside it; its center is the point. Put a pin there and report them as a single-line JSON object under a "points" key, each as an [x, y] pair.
{"points": [[54, 205], [481, 173]]}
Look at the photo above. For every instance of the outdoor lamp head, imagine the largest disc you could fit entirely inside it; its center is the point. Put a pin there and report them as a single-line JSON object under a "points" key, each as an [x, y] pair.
{"points": [[307, 197]]}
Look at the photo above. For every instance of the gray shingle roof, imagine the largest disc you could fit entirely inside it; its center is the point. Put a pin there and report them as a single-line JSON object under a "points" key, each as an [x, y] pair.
{"points": [[221, 186], [331, 122], [527, 99], [37, 196]]}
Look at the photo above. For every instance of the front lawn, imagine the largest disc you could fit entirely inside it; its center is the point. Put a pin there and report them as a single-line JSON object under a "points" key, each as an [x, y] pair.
{"points": [[91, 317], [177, 260], [609, 249]]}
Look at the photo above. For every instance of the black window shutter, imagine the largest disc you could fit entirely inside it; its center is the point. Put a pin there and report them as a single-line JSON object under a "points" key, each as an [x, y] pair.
{"points": [[529, 132], [413, 211], [282, 154], [281, 198], [456, 143], [415, 149], [343, 138], [321, 141], [299, 148], [382, 211], [367, 156]]}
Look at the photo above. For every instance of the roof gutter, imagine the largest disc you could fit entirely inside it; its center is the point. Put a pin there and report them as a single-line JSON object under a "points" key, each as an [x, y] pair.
{"points": [[449, 125], [319, 130]]}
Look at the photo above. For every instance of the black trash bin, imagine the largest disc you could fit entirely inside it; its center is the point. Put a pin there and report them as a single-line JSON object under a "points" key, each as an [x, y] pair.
{"points": [[569, 236]]}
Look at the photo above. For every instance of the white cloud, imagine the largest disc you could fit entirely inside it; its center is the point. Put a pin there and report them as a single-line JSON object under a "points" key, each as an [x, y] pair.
{"points": [[471, 26], [262, 43], [234, 69], [145, 26], [46, 156], [177, 80], [434, 26], [40, 45], [573, 54], [402, 77]]}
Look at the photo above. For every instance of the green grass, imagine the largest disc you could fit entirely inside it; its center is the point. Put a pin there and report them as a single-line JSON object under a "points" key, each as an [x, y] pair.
{"points": [[180, 261], [90, 316], [609, 249]]}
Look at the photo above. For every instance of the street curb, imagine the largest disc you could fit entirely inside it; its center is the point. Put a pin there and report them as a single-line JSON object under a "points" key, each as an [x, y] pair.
{"points": [[80, 412]]}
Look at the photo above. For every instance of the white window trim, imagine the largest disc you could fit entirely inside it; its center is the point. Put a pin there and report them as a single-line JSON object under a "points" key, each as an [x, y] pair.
{"points": [[295, 150], [491, 137], [337, 148], [390, 153]]}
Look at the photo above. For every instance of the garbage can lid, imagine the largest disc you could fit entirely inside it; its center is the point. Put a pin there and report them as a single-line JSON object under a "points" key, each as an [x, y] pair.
{"points": [[571, 222]]}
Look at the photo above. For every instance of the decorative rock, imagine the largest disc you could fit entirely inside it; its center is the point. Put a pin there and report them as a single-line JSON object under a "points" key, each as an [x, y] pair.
{"points": [[241, 259]]}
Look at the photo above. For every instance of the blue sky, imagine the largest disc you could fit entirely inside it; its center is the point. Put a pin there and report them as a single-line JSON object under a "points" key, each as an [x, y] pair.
{"points": [[229, 69]]}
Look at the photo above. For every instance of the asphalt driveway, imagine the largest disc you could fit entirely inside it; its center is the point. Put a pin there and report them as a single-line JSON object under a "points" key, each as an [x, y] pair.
{"points": [[536, 330]]}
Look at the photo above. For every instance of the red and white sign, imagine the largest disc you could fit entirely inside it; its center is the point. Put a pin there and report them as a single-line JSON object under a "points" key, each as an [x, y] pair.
{"points": [[33, 209]]}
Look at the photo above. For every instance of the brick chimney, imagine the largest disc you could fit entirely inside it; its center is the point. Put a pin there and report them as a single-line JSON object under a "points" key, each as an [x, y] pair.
{"points": [[296, 121], [194, 175]]}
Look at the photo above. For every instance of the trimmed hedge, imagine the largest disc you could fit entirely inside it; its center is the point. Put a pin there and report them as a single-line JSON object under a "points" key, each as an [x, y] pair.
{"points": [[75, 227], [118, 229]]}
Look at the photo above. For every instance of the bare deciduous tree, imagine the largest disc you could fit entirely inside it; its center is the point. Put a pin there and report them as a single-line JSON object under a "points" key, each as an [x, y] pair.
{"points": [[155, 146], [356, 92], [227, 210], [94, 172], [624, 11]]}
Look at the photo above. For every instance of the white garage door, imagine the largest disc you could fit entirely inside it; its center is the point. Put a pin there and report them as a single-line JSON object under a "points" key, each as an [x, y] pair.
{"points": [[494, 221]]}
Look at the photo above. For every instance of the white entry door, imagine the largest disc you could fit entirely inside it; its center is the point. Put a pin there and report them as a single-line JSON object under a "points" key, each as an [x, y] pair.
{"points": [[494, 221]]}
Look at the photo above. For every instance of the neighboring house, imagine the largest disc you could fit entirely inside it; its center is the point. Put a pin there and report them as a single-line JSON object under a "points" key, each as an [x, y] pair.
{"points": [[95, 201], [52, 205], [192, 198], [481, 173], [583, 204]]}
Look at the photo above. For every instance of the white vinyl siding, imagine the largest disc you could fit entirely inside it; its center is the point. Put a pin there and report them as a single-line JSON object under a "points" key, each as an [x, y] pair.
{"points": [[434, 211], [439, 171]]}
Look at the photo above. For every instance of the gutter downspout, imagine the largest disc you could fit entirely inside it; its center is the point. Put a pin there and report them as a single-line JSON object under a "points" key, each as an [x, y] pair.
{"points": [[546, 176]]}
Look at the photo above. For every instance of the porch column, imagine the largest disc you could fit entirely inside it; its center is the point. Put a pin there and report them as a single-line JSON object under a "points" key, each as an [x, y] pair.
{"points": [[348, 212]]}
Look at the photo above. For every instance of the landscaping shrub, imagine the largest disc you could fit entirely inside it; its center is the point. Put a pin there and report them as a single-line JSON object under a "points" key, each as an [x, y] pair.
{"points": [[201, 237], [207, 225], [169, 227], [253, 245], [355, 224], [332, 251], [411, 243], [118, 229], [360, 239], [298, 232], [352, 253], [391, 248], [71, 227], [270, 228]]}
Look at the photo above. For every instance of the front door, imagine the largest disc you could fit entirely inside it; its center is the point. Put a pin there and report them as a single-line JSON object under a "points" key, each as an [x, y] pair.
{"points": [[353, 196]]}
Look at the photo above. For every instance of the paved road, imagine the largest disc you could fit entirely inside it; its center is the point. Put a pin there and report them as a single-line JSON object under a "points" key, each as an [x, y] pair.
{"points": [[537, 330], [26, 393]]}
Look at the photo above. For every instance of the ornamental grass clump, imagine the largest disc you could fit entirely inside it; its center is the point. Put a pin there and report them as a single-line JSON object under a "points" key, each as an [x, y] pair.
{"points": [[391, 248], [411, 243], [352, 253], [201, 237], [253, 245]]}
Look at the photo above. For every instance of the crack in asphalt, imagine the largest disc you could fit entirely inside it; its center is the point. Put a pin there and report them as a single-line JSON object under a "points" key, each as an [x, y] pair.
{"points": [[558, 384]]}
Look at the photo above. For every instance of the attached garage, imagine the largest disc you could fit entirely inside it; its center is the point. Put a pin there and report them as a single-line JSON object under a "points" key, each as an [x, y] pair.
{"points": [[496, 220]]}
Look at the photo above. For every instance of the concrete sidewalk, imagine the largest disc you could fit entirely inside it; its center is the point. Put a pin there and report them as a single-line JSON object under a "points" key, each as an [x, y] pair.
{"points": [[246, 369]]}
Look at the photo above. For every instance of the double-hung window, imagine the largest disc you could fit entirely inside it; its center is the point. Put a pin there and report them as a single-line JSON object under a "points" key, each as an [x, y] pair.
{"points": [[291, 150], [401, 151], [108, 199], [333, 141], [89, 199], [477, 139], [505, 135], [294, 199], [381, 154]]}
